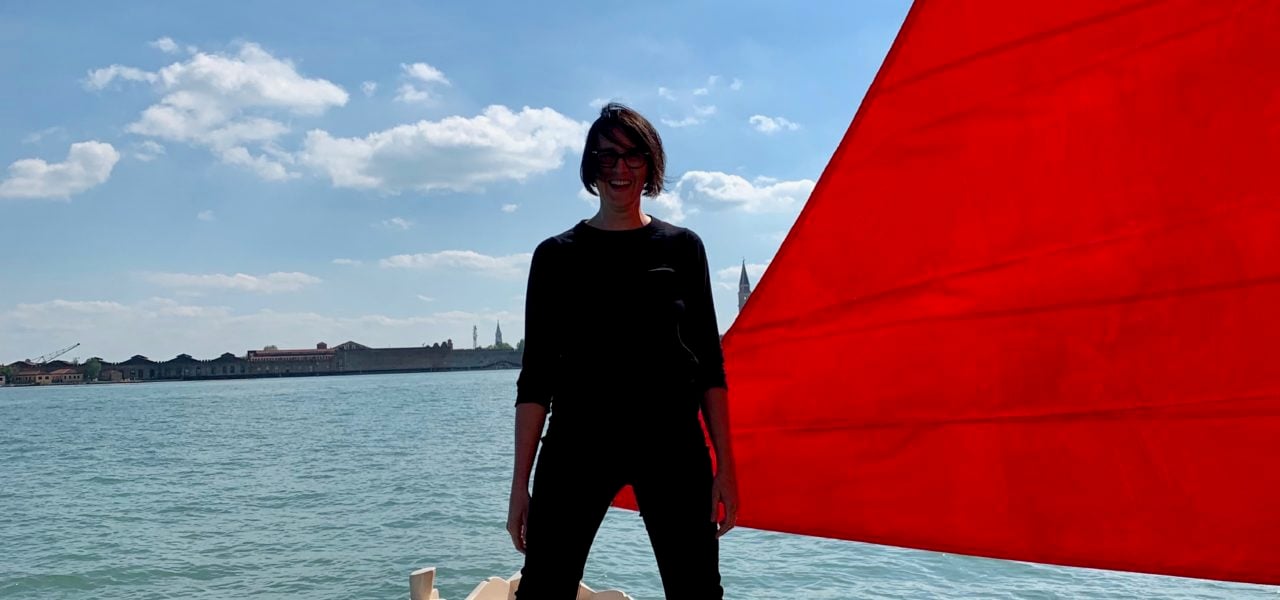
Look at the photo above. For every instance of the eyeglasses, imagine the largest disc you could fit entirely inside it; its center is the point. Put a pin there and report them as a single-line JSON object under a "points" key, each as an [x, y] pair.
{"points": [[608, 159]]}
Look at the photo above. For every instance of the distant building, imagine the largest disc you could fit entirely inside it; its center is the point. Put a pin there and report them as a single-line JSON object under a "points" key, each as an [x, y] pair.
{"points": [[53, 372], [181, 366], [66, 375], [744, 287], [497, 336], [321, 359], [32, 376], [138, 368], [226, 364], [272, 361]]}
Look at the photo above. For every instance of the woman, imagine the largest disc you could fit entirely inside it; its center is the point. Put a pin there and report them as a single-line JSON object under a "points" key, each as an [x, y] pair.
{"points": [[622, 348]]}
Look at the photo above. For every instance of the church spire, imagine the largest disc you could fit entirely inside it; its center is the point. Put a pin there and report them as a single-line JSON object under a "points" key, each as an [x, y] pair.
{"points": [[744, 286]]}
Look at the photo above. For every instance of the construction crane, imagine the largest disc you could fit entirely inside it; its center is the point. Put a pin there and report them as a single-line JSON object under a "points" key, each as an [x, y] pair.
{"points": [[52, 355]]}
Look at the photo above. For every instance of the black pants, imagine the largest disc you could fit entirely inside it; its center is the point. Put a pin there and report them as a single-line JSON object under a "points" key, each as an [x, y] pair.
{"points": [[574, 483]]}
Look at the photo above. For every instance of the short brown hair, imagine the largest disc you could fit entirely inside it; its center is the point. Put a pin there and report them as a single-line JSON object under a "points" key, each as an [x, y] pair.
{"points": [[640, 131]]}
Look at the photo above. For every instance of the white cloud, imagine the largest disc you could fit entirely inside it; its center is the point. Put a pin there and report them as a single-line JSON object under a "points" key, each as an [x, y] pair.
{"points": [[598, 103], [696, 190], [84, 307], [455, 153], [397, 223], [711, 83], [425, 73], [147, 151], [410, 94], [88, 164], [205, 215], [227, 103], [254, 130], [736, 85], [252, 78], [346, 262], [421, 72], [265, 167], [685, 122], [772, 125], [693, 113], [165, 44], [513, 265], [426, 298], [164, 307], [101, 78], [266, 284], [700, 113], [369, 87], [36, 136], [670, 207], [712, 189], [510, 208]]}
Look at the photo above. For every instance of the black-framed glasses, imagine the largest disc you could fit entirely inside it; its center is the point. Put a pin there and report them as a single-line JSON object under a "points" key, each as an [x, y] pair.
{"points": [[609, 158]]}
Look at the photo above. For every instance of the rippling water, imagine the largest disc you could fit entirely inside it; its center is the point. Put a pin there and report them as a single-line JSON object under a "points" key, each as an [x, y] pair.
{"points": [[339, 487]]}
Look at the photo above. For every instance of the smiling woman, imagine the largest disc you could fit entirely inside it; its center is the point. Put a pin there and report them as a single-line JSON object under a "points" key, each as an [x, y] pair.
{"points": [[631, 417], [621, 134]]}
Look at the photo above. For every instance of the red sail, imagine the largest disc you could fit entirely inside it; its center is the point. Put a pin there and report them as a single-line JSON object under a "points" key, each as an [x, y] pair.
{"points": [[1032, 309]]}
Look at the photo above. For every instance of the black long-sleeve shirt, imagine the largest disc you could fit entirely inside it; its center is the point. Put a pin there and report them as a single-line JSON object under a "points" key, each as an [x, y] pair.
{"points": [[614, 317]]}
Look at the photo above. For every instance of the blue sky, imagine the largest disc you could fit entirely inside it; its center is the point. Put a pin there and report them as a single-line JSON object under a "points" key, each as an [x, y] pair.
{"points": [[201, 178]]}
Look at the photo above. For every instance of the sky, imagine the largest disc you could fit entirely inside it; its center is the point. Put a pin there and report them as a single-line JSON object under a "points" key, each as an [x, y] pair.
{"points": [[216, 177]]}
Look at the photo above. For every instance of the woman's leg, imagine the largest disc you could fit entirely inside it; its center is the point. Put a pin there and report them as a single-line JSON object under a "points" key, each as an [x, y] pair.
{"points": [[673, 490], [572, 488]]}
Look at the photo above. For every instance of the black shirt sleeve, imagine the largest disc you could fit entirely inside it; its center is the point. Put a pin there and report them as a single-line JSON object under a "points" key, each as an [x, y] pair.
{"points": [[541, 355], [700, 331]]}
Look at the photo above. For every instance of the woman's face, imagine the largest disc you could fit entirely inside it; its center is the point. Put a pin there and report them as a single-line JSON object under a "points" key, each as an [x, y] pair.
{"points": [[620, 184]]}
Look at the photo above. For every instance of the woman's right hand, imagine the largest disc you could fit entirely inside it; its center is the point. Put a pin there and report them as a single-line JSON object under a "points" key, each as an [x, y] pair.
{"points": [[530, 417], [518, 515]]}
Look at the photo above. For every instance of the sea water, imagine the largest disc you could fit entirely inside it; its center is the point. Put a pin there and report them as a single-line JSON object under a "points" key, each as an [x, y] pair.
{"points": [[339, 487]]}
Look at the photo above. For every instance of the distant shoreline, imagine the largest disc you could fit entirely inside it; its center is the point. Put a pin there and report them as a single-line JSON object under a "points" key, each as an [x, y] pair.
{"points": [[265, 376], [349, 358]]}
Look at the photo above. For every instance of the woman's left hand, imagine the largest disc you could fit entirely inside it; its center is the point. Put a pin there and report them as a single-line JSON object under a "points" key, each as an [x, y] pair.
{"points": [[724, 490]]}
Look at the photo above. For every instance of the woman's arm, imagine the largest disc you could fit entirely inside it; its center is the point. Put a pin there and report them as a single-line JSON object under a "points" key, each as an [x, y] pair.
{"points": [[724, 489], [705, 338], [698, 329], [529, 421], [540, 360], [534, 388], [530, 418]]}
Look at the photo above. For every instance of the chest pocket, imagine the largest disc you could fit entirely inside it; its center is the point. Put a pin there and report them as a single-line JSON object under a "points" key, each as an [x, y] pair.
{"points": [[660, 288], [665, 296]]}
